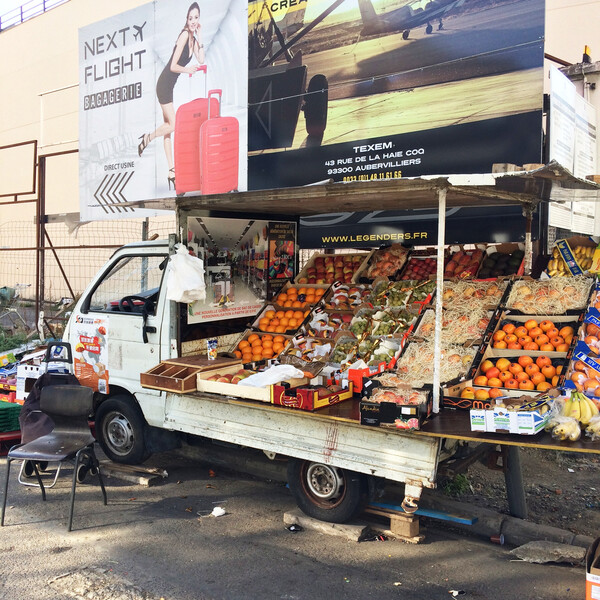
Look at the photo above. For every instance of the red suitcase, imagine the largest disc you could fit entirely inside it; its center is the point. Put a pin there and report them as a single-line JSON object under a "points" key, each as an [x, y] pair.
{"points": [[219, 150], [188, 119]]}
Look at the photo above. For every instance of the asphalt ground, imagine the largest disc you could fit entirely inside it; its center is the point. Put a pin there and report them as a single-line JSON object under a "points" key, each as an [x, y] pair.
{"points": [[162, 542]]}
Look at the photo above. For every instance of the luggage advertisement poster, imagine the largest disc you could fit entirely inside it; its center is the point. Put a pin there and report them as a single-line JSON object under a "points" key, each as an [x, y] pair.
{"points": [[156, 85]]}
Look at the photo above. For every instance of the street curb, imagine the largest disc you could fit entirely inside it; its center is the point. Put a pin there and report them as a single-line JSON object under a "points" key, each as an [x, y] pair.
{"points": [[489, 523]]}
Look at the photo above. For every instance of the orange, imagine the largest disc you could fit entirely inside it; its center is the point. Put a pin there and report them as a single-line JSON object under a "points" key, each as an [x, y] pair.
{"points": [[546, 325], [495, 393], [270, 328], [267, 336], [547, 347], [541, 339], [281, 298], [267, 353], [501, 363], [481, 394], [567, 330], [524, 360], [555, 380], [480, 380], [243, 344], [280, 329], [252, 337], [298, 314], [468, 392], [531, 369], [559, 369], [562, 348], [302, 290], [530, 346], [520, 377], [521, 331], [237, 353], [289, 314], [578, 377], [591, 384], [310, 299], [511, 384], [514, 346], [256, 342], [278, 338], [556, 341], [287, 303], [274, 322], [501, 345], [499, 335], [494, 382], [257, 357], [525, 339], [509, 328], [552, 333], [493, 372], [296, 304], [530, 324], [543, 361], [535, 331], [537, 378], [487, 364], [280, 313], [548, 371], [580, 366], [591, 340], [284, 321], [269, 314], [505, 376], [277, 347], [511, 338], [543, 386], [319, 292], [293, 323], [515, 368], [526, 385], [267, 343]]}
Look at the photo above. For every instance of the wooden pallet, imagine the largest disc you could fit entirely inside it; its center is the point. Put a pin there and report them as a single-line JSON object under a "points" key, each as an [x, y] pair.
{"points": [[403, 526]]}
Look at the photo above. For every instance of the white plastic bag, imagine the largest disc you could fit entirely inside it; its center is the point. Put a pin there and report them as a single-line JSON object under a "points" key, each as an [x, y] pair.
{"points": [[186, 277], [272, 375]]}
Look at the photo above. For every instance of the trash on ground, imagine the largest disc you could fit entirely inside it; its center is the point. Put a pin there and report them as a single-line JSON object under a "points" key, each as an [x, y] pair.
{"points": [[295, 528]]}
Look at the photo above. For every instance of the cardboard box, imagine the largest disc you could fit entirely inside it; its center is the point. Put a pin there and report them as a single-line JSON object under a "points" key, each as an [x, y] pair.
{"points": [[310, 270], [592, 571], [305, 398], [263, 394], [503, 249], [402, 416], [451, 396], [26, 377], [501, 420]]}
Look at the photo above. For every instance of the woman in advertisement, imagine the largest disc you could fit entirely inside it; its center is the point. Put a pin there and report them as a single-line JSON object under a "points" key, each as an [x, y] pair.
{"points": [[188, 45]]}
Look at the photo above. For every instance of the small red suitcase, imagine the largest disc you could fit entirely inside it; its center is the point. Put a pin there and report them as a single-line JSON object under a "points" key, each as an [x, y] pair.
{"points": [[219, 150], [188, 119]]}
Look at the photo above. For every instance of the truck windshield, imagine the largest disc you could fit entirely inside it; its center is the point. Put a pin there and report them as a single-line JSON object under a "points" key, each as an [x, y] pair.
{"points": [[130, 281]]}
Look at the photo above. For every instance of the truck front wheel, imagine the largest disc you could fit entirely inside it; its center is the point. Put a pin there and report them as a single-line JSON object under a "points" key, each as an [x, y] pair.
{"points": [[325, 492], [120, 430]]}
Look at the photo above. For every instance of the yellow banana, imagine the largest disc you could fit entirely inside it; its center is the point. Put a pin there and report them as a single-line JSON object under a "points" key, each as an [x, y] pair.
{"points": [[566, 411], [591, 406], [585, 411], [575, 409]]}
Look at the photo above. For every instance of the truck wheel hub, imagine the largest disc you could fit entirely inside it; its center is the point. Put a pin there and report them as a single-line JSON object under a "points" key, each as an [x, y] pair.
{"points": [[119, 434], [324, 481]]}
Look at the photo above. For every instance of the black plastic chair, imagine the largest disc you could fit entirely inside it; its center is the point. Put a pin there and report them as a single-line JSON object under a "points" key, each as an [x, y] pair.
{"points": [[69, 406]]}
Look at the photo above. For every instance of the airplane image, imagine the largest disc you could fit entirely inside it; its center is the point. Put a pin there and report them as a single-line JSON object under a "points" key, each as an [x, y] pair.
{"points": [[139, 32], [405, 17], [278, 91]]}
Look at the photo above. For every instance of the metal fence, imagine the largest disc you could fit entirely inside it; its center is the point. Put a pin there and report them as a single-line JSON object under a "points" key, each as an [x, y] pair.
{"points": [[26, 11]]}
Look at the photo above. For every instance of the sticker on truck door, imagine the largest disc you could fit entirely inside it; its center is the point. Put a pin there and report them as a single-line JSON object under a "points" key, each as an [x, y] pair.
{"points": [[91, 352]]}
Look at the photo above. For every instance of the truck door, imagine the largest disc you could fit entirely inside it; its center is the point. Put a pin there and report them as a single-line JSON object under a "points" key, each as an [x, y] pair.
{"points": [[116, 330]]}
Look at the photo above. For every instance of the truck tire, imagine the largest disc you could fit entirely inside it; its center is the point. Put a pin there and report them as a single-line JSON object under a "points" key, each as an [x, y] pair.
{"points": [[120, 430], [326, 493]]}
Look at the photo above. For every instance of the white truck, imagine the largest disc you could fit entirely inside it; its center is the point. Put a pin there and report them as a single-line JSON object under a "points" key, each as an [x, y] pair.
{"points": [[334, 463]]}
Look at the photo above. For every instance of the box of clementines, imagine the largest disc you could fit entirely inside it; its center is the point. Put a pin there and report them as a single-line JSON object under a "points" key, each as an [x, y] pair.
{"points": [[277, 320], [466, 395], [257, 346], [502, 420]]}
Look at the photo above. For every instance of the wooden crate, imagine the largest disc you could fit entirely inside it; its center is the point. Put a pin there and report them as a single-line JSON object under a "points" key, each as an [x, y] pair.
{"points": [[170, 378]]}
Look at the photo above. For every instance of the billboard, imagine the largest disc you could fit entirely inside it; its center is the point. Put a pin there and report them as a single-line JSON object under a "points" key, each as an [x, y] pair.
{"points": [[145, 75], [204, 98], [378, 89]]}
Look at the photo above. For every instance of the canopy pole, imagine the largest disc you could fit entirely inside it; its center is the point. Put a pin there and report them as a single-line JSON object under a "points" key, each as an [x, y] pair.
{"points": [[437, 352], [528, 214]]}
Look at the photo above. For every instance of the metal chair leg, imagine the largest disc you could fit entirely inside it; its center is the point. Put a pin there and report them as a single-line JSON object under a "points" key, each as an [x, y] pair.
{"points": [[40, 482], [8, 461]]}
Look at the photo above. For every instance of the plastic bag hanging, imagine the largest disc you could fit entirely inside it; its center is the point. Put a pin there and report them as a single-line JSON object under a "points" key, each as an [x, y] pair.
{"points": [[186, 277]]}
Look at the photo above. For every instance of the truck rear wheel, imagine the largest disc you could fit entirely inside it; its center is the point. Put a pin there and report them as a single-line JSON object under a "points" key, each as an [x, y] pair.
{"points": [[325, 492], [120, 430]]}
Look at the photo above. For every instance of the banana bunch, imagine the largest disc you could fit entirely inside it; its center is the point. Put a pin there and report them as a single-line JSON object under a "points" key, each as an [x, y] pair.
{"points": [[569, 430], [580, 407], [593, 429], [558, 268]]}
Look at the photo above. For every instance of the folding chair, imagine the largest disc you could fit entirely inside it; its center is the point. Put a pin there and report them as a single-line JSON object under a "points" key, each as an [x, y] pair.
{"points": [[69, 406]]}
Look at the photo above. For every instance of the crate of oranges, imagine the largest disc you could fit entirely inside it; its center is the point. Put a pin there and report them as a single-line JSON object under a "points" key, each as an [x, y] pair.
{"points": [[299, 296], [280, 320], [254, 346], [539, 334]]}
